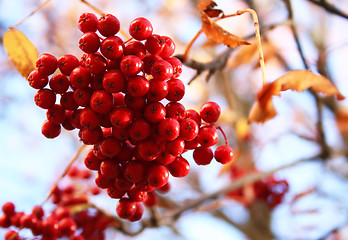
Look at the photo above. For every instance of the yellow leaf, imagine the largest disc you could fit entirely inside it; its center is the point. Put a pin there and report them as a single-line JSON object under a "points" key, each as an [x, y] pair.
{"points": [[298, 80], [21, 51]]}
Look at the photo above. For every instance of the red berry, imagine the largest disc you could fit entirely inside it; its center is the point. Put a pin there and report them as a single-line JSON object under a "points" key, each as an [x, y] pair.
{"points": [[158, 91], [169, 128], [46, 64], [37, 80], [140, 28], [89, 42], [168, 48], [88, 22], [193, 114], [80, 77], [165, 158], [102, 101], [67, 101], [82, 96], [210, 112], [158, 175], [177, 66], [154, 44], [126, 208], [96, 64], [67, 63], [89, 118], [175, 147], [50, 129], [188, 129], [138, 86], [203, 155], [136, 195], [115, 193], [207, 136], [223, 154], [121, 117], [114, 81], [8, 209], [134, 171], [108, 25], [59, 83], [11, 235], [149, 60], [176, 90], [91, 136], [138, 212], [112, 47], [179, 168], [66, 227], [148, 150], [131, 65], [122, 183], [110, 147], [109, 168], [135, 103], [175, 110], [45, 98], [56, 114], [136, 48], [162, 70], [67, 121], [91, 161], [155, 112], [102, 181], [151, 199], [139, 130]]}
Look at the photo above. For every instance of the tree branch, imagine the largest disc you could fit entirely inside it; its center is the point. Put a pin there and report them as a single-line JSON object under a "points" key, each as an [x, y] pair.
{"points": [[218, 63], [329, 8], [191, 204]]}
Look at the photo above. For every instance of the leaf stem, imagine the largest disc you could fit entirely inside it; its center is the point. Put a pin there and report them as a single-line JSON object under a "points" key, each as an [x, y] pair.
{"points": [[185, 55], [32, 13]]}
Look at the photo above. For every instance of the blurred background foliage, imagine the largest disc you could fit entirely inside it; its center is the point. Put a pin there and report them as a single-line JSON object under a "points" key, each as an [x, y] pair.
{"points": [[309, 130]]}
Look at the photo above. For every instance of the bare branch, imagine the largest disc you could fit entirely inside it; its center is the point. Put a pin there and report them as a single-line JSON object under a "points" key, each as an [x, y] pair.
{"points": [[329, 8]]}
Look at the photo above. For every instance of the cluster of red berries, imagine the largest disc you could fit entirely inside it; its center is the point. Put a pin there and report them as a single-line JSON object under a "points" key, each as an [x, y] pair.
{"points": [[114, 98], [62, 222], [270, 190]]}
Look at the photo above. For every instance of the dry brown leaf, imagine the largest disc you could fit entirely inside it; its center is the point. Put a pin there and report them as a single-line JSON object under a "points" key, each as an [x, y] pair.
{"points": [[204, 5], [212, 29], [298, 80], [21, 51], [218, 34]]}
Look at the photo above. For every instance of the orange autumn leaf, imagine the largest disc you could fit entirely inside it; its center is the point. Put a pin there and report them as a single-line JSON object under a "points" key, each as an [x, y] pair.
{"points": [[214, 31], [298, 80], [21, 51]]}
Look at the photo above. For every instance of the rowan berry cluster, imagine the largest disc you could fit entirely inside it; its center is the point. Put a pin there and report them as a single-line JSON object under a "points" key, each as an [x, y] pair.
{"points": [[123, 96], [63, 221], [269, 190]]}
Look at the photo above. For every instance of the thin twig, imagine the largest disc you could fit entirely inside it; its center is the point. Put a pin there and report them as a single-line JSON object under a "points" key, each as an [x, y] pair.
{"points": [[168, 219], [218, 63], [53, 188], [31, 14], [318, 101], [329, 8], [257, 35]]}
